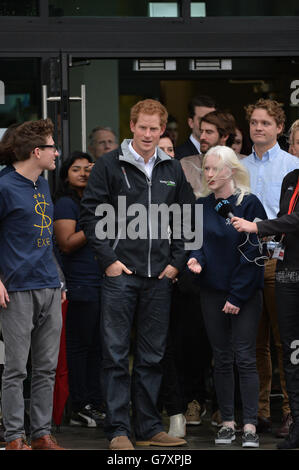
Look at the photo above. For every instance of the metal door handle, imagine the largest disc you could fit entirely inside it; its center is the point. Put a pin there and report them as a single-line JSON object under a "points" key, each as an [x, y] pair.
{"points": [[82, 99]]}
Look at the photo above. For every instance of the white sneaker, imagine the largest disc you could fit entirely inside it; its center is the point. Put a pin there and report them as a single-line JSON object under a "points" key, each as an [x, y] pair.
{"points": [[177, 425]]}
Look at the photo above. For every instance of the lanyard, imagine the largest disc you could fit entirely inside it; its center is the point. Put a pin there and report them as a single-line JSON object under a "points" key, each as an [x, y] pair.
{"points": [[294, 199], [292, 205]]}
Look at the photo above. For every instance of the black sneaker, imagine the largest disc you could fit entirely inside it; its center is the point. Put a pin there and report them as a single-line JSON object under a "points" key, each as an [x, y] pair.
{"points": [[250, 439], [292, 440], [2, 440], [98, 414], [87, 417], [225, 436]]}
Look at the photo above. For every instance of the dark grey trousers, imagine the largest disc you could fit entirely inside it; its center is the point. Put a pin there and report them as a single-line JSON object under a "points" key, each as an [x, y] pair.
{"points": [[33, 320]]}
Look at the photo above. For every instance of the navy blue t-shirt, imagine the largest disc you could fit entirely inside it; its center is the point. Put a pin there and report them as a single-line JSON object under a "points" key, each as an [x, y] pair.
{"points": [[80, 267], [6, 169], [26, 228]]}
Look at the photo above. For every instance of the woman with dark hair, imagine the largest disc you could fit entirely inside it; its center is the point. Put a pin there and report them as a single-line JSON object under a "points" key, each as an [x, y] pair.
{"points": [[83, 279], [167, 144], [286, 228]]}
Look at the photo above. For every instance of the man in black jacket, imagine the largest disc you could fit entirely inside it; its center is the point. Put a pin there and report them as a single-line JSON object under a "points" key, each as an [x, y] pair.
{"points": [[198, 107], [140, 264]]}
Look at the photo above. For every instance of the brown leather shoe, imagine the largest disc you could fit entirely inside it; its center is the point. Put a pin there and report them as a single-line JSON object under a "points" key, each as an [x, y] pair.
{"points": [[121, 443], [46, 442], [283, 431], [17, 444], [162, 439]]}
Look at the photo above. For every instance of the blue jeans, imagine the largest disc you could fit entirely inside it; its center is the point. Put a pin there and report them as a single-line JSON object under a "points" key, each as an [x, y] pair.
{"points": [[233, 339], [148, 300]]}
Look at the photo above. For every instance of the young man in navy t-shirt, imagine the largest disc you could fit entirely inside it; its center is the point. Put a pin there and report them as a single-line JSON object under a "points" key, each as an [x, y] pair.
{"points": [[30, 293]]}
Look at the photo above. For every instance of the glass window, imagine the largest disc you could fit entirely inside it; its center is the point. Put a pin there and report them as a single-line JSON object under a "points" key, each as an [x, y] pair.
{"points": [[245, 8], [20, 91], [114, 8], [17, 8]]}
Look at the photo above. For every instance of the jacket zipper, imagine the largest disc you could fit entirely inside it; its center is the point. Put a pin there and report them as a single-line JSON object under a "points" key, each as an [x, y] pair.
{"points": [[126, 178], [149, 183]]}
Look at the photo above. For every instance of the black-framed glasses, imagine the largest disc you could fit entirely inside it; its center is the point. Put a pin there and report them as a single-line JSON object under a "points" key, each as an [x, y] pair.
{"points": [[44, 146]]}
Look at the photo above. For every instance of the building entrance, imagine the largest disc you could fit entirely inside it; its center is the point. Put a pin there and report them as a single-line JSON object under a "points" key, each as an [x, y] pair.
{"points": [[81, 93]]}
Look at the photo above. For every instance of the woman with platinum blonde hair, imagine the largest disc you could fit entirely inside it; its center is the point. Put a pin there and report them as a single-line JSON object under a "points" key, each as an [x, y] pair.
{"points": [[236, 173], [230, 273]]}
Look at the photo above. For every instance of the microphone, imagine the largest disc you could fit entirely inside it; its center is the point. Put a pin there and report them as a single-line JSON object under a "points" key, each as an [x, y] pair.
{"points": [[224, 208]]}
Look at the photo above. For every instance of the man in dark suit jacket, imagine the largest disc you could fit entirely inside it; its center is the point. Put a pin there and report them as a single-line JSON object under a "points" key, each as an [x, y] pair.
{"points": [[198, 107]]}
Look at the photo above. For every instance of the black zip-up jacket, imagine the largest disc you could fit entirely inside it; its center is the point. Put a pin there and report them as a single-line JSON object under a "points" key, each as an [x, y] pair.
{"points": [[285, 223], [119, 174]]}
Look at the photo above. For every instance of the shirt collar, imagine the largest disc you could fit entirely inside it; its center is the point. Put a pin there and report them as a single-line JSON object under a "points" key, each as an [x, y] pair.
{"points": [[138, 157], [195, 143], [269, 155]]}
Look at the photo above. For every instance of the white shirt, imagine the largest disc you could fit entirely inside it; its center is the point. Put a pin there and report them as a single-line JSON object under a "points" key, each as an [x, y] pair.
{"points": [[195, 142], [148, 167]]}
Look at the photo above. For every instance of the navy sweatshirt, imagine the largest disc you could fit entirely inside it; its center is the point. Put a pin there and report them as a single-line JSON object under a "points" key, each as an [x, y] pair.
{"points": [[26, 227], [224, 267]]}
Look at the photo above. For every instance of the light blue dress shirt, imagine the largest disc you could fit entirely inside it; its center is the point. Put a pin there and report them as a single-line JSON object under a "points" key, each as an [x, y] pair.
{"points": [[266, 176]]}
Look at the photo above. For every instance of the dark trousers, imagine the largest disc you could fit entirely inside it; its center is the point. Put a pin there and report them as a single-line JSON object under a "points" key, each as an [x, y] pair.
{"points": [[287, 302], [268, 322], [233, 339], [123, 297], [170, 396], [83, 353], [192, 350]]}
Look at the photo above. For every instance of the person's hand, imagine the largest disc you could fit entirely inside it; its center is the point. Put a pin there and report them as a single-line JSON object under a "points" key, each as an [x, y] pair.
{"points": [[230, 308], [116, 269], [194, 266], [170, 271], [242, 225], [63, 296], [4, 297]]}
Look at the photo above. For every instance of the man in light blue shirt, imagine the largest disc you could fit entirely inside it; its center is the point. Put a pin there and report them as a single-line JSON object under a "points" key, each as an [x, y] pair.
{"points": [[268, 164], [267, 168]]}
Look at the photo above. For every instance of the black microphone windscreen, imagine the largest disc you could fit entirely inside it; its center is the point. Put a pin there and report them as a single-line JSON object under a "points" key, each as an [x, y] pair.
{"points": [[224, 208]]}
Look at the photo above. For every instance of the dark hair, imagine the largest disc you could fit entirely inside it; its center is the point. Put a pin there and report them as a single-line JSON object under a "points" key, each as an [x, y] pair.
{"points": [[224, 122], [23, 138], [63, 188], [200, 100], [166, 134]]}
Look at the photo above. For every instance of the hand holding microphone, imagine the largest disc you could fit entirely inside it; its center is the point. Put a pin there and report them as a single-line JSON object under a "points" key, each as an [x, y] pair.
{"points": [[224, 208], [242, 225]]}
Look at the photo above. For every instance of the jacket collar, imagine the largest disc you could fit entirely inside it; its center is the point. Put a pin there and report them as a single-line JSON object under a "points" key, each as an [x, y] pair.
{"points": [[126, 156]]}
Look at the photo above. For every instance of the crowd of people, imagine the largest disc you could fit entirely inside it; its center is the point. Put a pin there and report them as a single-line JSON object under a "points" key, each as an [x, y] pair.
{"points": [[195, 318]]}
